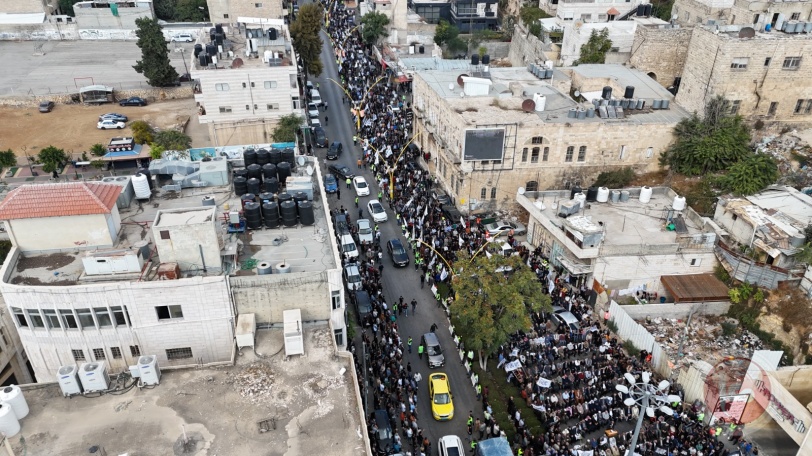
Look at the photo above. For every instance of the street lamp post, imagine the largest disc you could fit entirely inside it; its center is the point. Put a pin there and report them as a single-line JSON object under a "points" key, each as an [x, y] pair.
{"points": [[393, 167], [183, 56], [357, 104], [647, 396]]}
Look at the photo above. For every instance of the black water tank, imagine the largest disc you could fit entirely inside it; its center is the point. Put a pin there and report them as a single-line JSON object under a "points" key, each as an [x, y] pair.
{"points": [[629, 93], [241, 172], [218, 28], [270, 213], [247, 198], [574, 191], [254, 186], [592, 194], [276, 156], [272, 34], [203, 59], [249, 157], [289, 156], [211, 49], [271, 185], [475, 59], [300, 196], [607, 93], [265, 197], [269, 171], [288, 212], [421, 49], [263, 157], [649, 9], [212, 31], [284, 196], [283, 171], [240, 186], [253, 216], [254, 171], [218, 39], [306, 213], [198, 49], [486, 59], [641, 10]]}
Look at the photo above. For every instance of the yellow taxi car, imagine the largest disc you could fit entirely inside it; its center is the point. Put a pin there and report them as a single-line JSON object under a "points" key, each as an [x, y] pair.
{"points": [[440, 392]]}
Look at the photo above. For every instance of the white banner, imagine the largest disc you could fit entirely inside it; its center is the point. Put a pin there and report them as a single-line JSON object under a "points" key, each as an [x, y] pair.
{"points": [[544, 383], [513, 365]]}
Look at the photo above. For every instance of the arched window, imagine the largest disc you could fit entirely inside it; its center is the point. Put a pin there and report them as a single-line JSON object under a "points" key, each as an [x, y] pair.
{"points": [[531, 186], [493, 192]]}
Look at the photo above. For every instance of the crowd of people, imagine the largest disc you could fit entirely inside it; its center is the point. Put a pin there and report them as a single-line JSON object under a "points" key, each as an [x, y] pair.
{"points": [[567, 375]]}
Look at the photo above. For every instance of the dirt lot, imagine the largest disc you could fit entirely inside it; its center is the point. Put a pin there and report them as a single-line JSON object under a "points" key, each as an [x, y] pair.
{"points": [[73, 127]]}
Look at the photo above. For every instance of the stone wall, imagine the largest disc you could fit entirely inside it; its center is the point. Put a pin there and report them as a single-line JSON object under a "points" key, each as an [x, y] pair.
{"points": [[678, 311], [497, 49], [525, 48], [151, 94], [660, 52], [39, 32]]}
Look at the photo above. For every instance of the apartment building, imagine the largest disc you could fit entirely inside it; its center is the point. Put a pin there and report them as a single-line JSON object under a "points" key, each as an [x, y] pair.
{"points": [[590, 10], [229, 11]]}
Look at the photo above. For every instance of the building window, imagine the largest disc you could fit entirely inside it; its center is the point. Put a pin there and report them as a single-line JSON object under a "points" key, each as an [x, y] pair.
{"points": [[165, 235], [767, 61], [570, 153], [582, 153], [696, 261], [800, 109], [68, 319], [98, 354], [35, 318], [135, 350], [808, 108], [293, 83], [649, 152], [4, 336], [78, 355], [524, 155], [546, 154], [734, 107], [484, 162], [773, 108], [247, 107], [223, 87], [483, 193], [296, 103], [493, 192], [118, 315], [536, 140], [20, 317], [51, 319], [273, 106], [178, 353], [270, 84], [168, 312], [244, 85], [795, 16], [103, 316], [116, 352], [86, 318], [740, 63], [335, 298], [339, 335], [531, 186], [225, 109], [225, 16], [534, 157], [792, 63]]}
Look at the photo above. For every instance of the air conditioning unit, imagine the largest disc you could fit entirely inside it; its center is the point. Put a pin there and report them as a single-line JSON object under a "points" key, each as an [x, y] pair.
{"points": [[68, 378], [148, 367], [94, 377]]}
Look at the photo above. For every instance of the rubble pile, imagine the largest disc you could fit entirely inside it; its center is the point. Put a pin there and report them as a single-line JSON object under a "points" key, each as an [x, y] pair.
{"points": [[254, 382], [788, 150]]}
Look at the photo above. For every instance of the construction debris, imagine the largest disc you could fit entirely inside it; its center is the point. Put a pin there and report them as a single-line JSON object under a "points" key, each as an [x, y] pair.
{"points": [[254, 382]]}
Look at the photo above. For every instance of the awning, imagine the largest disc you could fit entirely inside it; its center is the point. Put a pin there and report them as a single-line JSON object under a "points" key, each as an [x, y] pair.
{"points": [[573, 267], [695, 288], [403, 78], [613, 12]]}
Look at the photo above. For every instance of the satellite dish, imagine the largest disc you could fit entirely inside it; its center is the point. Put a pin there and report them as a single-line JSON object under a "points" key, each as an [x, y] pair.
{"points": [[462, 94], [301, 160], [450, 86], [459, 79], [528, 105], [521, 190], [236, 63], [577, 93], [747, 32], [309, 170]]}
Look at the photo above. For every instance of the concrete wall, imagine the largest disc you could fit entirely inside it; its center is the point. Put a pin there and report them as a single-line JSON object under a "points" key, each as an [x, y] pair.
{"points": [[739, 229], [27, 6], [692, 12], [678, 311], [660, 52], [12, 358], [497, 49], [620, 32], [268, 296], [631, 272], [103, 18], [84, 231], [525, 48], [148, 93], [39, 32], [227, 11]]}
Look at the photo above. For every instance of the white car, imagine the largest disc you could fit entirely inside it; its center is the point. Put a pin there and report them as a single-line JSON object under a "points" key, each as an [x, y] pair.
{"points": [[450, 445], [109, 124], [352, 277], [365, 231], [183, 37], [348, 247], [312, 110], [377, 211], [361, 186], [314, 122]]}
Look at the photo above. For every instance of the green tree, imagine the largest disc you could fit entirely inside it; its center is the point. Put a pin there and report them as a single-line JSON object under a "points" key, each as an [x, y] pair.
{"points": [[618, 178], [156, 152], [142, 132], [165, 9], [306, 40], [5, 247], [190, 11], [750, 175], [445, 32], [531, 14], [710, 144], [52, 159], [172, 140], [595, 49], [154, 63], [490, 306], [286, 129], [374, 27], [7, 158], [98, 150]]}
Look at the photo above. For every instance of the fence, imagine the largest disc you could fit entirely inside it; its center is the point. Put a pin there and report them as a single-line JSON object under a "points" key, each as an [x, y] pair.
{"points": [[69, 89], [679, 311], [630, 330]]}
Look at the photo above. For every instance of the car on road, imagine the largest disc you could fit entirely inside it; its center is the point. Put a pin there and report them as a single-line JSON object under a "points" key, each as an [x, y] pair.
{"points": [[365, 231], [113, 116], [320, 137], [341, 227], [363, 304], [335, 150], [312, 110], [132, 101], [384, 433], [434, 352], [315, 122], [442, 406], [46, 106], [341, 171], [502, 226], [567, 318], [440, 196], [347, 245], [377, 211], [182, 38], [109, 124], [451, 213], [398, 254], [360, 185], [352, 277], [450, 445], [330, 184]]}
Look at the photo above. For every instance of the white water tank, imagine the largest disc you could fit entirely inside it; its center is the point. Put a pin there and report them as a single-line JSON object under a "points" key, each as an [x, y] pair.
{"points": [[148, 367], [540, 100], [679, 203], [645, 194], [603, 195], [9, 424], [581, 198], [68, 378], [13, 396], [266, 56], [141, 186], [94, 377], [539, 205]]}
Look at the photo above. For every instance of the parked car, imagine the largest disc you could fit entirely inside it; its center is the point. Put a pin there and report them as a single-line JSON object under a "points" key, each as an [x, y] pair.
{"points": [[451, 213], [567, 318], [182, 38], [46, 106], [330, 184], [365, 231], [434, 353], [352, 277], [442, 407], [315, 97], [113, 116], [341, 227], [185, 77], [450, 445], [384, 434], [335, 150], [501, 226], [312, 110], [398, 254], [341, 171], [109, 124], [320, 137], [315, 122], [360, 185], [133, 101], [440, 196], [377, 211], [363, 304], [347, 246]]}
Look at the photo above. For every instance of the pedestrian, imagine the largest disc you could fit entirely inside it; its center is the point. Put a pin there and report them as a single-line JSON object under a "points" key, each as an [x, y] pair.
{"points": [[479, 394], [338, 192], [356, 201], [422, 281], [325, 107], [420, 349], [361, 213], [359, 160], [414, 307], [348, 182], [355, 140], [326, 120], [380, 269], [433, 327], [470, 424]]}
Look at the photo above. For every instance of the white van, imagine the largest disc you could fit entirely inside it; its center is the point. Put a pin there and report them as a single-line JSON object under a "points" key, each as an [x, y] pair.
{"points": [[348, 246], [315, 96], [183, 37]]}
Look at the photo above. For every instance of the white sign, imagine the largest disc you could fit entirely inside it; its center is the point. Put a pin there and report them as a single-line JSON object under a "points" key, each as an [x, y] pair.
{"points": [[513, 365], [544, 383]]}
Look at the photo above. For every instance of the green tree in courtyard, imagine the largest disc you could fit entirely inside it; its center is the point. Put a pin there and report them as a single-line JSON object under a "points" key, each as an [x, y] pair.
{"points": [[52, 159], [172, 140], [154, 63], [7, 158], [445, 32], [306, 40], [98, 150], [595, 49], [190, 11], [374, 27], [750, 175], [286, 129], [489, 306]]}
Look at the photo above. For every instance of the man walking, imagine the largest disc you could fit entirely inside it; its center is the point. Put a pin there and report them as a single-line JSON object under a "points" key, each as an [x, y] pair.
{"points": [[420, 349], [410, 344], [348, 182]]}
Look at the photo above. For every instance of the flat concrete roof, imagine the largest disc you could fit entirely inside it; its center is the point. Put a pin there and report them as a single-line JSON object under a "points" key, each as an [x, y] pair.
{"points": [[308, 405], [190, 216]]}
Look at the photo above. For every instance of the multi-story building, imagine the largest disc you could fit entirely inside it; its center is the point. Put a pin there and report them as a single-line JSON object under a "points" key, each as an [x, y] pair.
{"points": [[466, 15], [590, 10], [487, 140], [248, 83], [761, 16], [15, 369], [112, 14], [29, 6], [229, 11]]}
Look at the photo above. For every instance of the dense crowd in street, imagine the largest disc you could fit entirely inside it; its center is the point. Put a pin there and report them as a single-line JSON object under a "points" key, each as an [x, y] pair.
{"points": [[566, 375]]}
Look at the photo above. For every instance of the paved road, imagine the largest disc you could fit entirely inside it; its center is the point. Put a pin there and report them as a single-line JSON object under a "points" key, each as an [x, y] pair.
{"points": [[398, 282]]}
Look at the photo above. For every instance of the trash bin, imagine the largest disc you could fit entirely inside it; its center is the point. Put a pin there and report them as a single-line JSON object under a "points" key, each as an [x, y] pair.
{"points": [[662, 299]]}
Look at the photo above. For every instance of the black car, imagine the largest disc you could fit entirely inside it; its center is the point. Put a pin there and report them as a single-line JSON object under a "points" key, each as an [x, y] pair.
{"points": [[335, 150], [46, 106], [319, 137], [363, 304], [399, 256], [133, 101], [384, 432], [451, 213], [440, 196], [341, 171]]}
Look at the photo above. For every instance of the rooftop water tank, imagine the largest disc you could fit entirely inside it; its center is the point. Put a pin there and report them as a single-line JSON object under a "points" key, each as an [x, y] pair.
{"points": [[603, 195], [645, 194], [288, 212], [240, 186], [606, 93], [624, 196], [679, 203], [574, 191], [306, 216], [141, 186], [592, 194], [253, 217], [615, 195], [13, 395], [9, 424]]}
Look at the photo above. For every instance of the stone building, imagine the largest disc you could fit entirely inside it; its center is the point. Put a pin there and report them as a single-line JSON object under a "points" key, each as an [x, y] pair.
{"points": [[113, 14], [538, 148], [228, 11], [590, 10], [659, 50], [755, 14]]}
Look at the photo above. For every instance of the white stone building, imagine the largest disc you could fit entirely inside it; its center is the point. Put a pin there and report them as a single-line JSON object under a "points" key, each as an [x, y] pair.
{"points": [[590, 10], [113, 14]]}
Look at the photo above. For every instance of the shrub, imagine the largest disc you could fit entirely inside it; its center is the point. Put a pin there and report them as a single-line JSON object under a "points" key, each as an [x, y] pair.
{"points": [[143, 133], [615, 179], [612, 325]]}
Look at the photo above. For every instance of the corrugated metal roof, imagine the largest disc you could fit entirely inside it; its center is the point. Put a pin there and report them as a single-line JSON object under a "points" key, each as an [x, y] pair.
{"points": [[695, 287], [59, 200]]}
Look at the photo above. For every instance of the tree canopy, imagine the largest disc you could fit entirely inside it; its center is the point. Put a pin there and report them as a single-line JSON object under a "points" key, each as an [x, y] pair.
{"points": [[52, 159], [750, 175], [287, 127], [154, 63], [531, 14], [374, 27], [445, 32], [172, 140], [595, 49], [7, 158], [489, 306], [306, 40], [98, 150]]}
